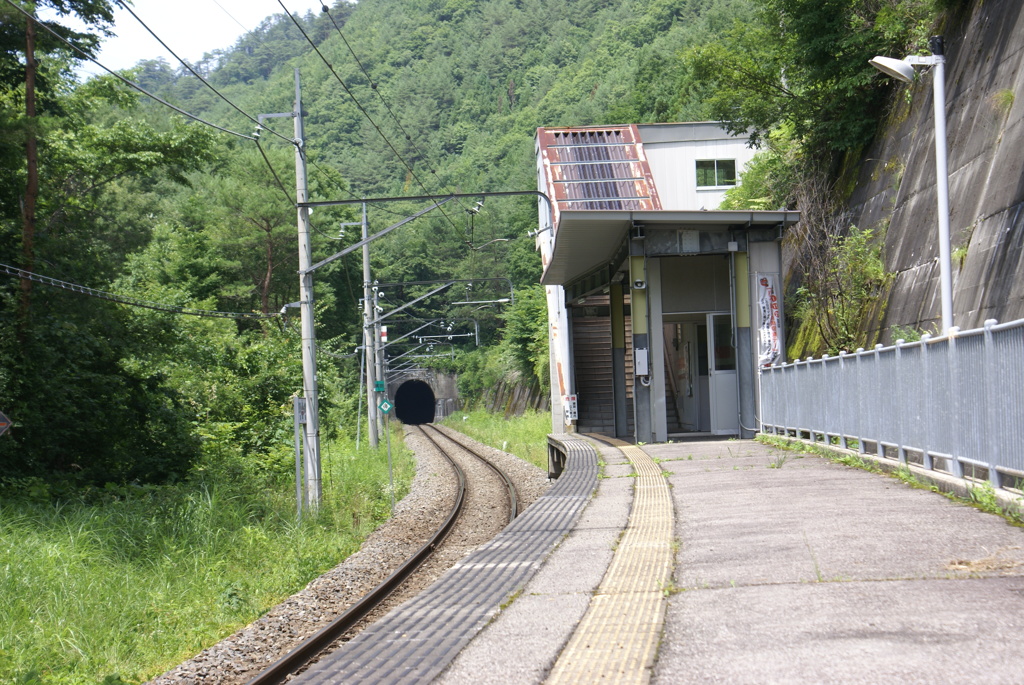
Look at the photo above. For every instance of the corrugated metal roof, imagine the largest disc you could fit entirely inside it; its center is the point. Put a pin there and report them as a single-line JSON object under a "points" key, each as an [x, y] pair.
{"points": [[596, 168]]}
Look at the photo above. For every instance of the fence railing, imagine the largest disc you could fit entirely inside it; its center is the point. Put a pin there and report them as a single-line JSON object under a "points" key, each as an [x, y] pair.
{"points": [[953, 403]]}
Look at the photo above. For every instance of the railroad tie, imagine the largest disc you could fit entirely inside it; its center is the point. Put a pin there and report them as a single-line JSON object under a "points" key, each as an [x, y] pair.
{"points": [[617, 639]]}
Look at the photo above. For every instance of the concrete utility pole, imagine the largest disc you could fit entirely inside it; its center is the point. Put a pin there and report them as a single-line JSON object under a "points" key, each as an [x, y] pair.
{"points": [[369, 346], [309, 386], [378, 352]]}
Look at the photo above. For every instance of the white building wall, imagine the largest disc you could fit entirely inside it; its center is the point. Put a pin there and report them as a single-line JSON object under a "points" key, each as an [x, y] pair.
{"points": [[674, 167], [560, 367]]}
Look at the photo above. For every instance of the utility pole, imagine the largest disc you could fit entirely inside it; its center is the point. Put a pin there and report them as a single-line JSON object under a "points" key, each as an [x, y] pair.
{"points": [[378, 349], [32, 174], [369, 347], [309, 385]]}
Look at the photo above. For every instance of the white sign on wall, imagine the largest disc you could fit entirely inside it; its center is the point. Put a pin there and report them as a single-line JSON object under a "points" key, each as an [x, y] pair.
{"points": [[570, 407]]}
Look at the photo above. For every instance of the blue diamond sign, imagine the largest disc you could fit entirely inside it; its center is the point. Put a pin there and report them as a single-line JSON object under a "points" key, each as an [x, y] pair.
{"points": [[385, 406]]}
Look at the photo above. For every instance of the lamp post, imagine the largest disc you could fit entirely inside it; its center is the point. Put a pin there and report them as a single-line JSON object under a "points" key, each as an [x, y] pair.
{"points": [[904, 71]]}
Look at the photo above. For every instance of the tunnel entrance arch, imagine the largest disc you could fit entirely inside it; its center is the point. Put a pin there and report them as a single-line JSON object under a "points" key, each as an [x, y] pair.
{"points": [[414, 403]]}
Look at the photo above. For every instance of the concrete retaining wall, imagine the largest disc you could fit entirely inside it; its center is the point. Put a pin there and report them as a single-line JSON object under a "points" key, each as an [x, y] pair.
{"points": [[896, 182]]}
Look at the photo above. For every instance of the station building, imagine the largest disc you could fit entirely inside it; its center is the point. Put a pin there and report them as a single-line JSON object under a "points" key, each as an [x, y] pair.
{"points": [[661, 307]]}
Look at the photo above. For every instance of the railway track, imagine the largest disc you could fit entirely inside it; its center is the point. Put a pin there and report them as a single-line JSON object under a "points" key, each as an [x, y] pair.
{"points": [[510, 488], [454, 451]]}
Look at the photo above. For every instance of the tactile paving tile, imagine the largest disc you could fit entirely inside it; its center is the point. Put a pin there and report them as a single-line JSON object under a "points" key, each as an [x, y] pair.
{"points": [[618, 637], [417, 640]]}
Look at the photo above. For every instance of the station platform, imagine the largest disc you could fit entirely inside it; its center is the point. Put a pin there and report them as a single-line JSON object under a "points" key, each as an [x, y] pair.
{"points": [[726, 561]]}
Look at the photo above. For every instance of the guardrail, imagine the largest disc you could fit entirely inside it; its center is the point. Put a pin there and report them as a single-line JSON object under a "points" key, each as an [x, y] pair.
{"points": [[953, 403]]}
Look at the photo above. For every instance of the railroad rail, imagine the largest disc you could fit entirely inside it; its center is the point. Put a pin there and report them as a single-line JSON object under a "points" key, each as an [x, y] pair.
{"points": [[513, 497], [419, 639], [321, 640]]}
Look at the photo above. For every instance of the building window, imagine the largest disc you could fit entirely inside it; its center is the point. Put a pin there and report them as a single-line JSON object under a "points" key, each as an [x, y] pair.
{"points": [[716, 172]]}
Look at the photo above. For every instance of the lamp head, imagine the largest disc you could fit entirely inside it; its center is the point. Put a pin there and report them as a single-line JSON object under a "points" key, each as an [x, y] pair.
{"points": [[896, 68]]}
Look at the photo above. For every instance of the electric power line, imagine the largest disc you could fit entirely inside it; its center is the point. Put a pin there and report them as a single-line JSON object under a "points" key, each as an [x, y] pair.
{"points": [[221, 96], [348, 191], [129, 83], [359, 106], [292, 201], [197, 74], [130, 301], [244, 28], [373, 86]]}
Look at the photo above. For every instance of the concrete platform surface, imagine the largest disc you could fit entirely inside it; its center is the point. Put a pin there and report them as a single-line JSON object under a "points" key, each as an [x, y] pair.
{"points": [[794, 569], [789, 569]]}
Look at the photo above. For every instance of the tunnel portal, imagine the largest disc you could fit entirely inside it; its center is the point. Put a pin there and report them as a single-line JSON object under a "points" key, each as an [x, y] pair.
{"points": [[414, 403]]}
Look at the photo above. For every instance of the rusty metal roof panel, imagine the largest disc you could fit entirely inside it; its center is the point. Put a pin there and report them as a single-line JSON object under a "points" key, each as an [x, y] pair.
{"points": [[597, 168]]}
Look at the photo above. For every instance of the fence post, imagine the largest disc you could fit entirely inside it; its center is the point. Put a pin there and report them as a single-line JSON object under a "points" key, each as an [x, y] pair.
{"points": [[901, 438], [844, 421], [861, 392], [879, 447], [809, 420], [991, 437], [929, 403], [956, 449]]}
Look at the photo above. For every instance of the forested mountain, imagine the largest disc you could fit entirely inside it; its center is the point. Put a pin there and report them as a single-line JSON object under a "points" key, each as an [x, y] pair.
{"points": [[414, 98], [400, 98], [146, 482]]}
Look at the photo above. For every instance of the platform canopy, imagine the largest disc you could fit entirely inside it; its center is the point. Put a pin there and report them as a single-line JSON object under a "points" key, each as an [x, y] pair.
{"points": [[588, 239]]}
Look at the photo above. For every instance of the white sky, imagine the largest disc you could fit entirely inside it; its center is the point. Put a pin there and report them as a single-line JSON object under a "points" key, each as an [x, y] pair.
{"points": [[190, 27]]}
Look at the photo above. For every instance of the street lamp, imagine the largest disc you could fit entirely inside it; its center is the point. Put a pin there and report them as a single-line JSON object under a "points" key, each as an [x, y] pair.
{"points": [[904, 71]]}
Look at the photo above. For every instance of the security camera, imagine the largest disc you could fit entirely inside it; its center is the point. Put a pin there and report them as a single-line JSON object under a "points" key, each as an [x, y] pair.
{"points": [[639, 285]]}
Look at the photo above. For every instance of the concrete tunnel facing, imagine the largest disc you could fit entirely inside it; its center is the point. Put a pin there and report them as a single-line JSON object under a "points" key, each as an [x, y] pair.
{"points": [[414, 403]]}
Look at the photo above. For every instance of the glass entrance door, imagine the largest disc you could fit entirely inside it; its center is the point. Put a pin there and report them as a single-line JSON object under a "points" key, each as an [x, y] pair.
{"points": [[722, 372]]}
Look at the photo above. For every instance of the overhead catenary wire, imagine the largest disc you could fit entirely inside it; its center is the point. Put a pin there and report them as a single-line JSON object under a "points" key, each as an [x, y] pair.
{"points": [[359, 106], [126, 81], [375, 89], [130, 301], [195, 73]]}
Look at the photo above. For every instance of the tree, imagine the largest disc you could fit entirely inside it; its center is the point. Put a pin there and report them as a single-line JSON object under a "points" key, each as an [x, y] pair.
{"points": [[256, 228], [97, 13], [804, 63], [526, 333], [80, 413]]}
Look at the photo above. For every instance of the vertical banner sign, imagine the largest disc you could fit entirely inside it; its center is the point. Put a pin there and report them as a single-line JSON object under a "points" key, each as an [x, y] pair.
{"points": [[768, 332]]}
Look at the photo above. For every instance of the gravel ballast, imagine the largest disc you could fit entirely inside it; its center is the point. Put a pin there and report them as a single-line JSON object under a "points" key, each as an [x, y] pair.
{"points": [[241, 656]]}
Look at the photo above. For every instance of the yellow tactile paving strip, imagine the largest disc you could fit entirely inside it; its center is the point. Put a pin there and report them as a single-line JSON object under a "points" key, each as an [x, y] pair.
{"points": [[617, 639]]}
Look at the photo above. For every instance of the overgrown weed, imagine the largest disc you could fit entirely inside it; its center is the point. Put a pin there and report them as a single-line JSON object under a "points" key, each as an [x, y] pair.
{"points": [[130, 580], [526, 436]]}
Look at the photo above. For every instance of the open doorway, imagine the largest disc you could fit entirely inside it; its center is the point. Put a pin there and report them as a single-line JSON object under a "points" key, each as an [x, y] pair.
{"points": [[700, 373]]}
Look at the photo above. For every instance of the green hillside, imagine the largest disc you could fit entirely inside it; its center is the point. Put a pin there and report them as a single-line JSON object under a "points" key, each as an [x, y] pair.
{"points": [[150, 449], [400, 98]]}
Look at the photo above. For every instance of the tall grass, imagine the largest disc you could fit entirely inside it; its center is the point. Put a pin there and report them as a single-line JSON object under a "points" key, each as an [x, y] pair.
{"points": [[525, 436], [128, 582]]}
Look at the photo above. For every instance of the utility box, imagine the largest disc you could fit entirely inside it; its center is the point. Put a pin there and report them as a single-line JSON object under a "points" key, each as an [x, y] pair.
{"points": [[641, 364]]}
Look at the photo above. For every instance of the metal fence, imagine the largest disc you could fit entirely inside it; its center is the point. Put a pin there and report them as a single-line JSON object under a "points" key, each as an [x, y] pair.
{"points": [[953, 403]]}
